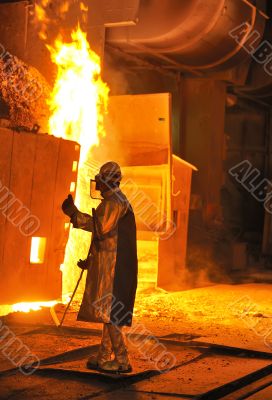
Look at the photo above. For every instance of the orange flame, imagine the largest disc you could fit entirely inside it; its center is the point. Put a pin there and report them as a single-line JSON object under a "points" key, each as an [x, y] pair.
{"points": [[42, 18], [79, 97], [78, 103]]}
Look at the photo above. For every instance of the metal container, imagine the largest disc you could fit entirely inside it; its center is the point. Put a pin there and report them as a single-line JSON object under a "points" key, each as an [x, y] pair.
{"points": [[37, 173]]}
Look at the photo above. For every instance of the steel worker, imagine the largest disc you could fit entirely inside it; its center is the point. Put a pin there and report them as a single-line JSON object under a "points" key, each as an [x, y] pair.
{"points": [[112, 268]]}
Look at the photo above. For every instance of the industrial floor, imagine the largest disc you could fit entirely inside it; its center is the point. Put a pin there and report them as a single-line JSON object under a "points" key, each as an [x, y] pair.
{"points": [[219, 336]]}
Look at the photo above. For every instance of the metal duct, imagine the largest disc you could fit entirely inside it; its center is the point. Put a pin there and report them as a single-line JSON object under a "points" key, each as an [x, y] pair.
{"points": [[193, 34]]}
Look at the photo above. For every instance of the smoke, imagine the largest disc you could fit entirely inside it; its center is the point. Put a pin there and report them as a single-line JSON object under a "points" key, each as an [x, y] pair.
{"points": [[204, 268], [51, 16], [114, 75]]}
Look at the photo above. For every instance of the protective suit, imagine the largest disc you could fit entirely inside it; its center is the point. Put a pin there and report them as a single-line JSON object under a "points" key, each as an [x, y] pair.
{"points": [[112, 267]]}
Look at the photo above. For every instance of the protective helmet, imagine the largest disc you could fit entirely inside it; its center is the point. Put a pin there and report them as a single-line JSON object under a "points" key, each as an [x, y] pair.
{"points": [[110, 172]]}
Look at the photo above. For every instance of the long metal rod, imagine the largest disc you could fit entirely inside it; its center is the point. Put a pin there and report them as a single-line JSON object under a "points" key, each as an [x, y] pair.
{"points": [[73, 295]]}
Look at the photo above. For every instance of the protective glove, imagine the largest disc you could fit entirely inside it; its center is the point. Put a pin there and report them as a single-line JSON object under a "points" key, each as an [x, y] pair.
{"points": [[86, 264], [68, 206], [83, 264]]}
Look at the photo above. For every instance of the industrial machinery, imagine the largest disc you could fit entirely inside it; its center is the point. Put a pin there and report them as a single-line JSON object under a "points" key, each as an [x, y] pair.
{"points": [[157, 183]]}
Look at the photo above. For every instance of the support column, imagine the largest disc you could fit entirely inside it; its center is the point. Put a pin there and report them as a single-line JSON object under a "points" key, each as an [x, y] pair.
{"points": [[203, 120]]}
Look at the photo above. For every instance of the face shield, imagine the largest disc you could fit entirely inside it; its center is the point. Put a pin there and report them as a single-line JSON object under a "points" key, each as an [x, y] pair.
{"points": [[94, 190]]}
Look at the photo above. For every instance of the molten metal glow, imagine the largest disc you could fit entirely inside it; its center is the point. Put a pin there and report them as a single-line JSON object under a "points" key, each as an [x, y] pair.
{"points": [[26, 307]]}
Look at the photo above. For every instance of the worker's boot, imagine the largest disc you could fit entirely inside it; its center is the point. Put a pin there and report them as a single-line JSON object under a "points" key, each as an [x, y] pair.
{"points": [[104, 353], [121, 362]]}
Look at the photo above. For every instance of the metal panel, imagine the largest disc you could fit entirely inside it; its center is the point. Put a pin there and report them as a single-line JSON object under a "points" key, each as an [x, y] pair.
{"points": [[68, 153], [138, 129], [15, 256], [6, 139], [113, 12], [41, 169], [121, 12], [148, 190], [42, 202], [139, 136], [173, 246]]}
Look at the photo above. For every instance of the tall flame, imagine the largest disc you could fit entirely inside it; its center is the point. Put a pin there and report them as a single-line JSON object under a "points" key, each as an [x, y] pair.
{"points": [[78, 103], [79, 97]]}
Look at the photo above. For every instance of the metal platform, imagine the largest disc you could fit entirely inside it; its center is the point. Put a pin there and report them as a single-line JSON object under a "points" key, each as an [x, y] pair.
{"points": [[202, 370]]}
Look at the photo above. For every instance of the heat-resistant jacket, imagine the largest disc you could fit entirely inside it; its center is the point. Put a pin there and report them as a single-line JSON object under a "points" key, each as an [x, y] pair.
{"points": [[112, 276]]}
